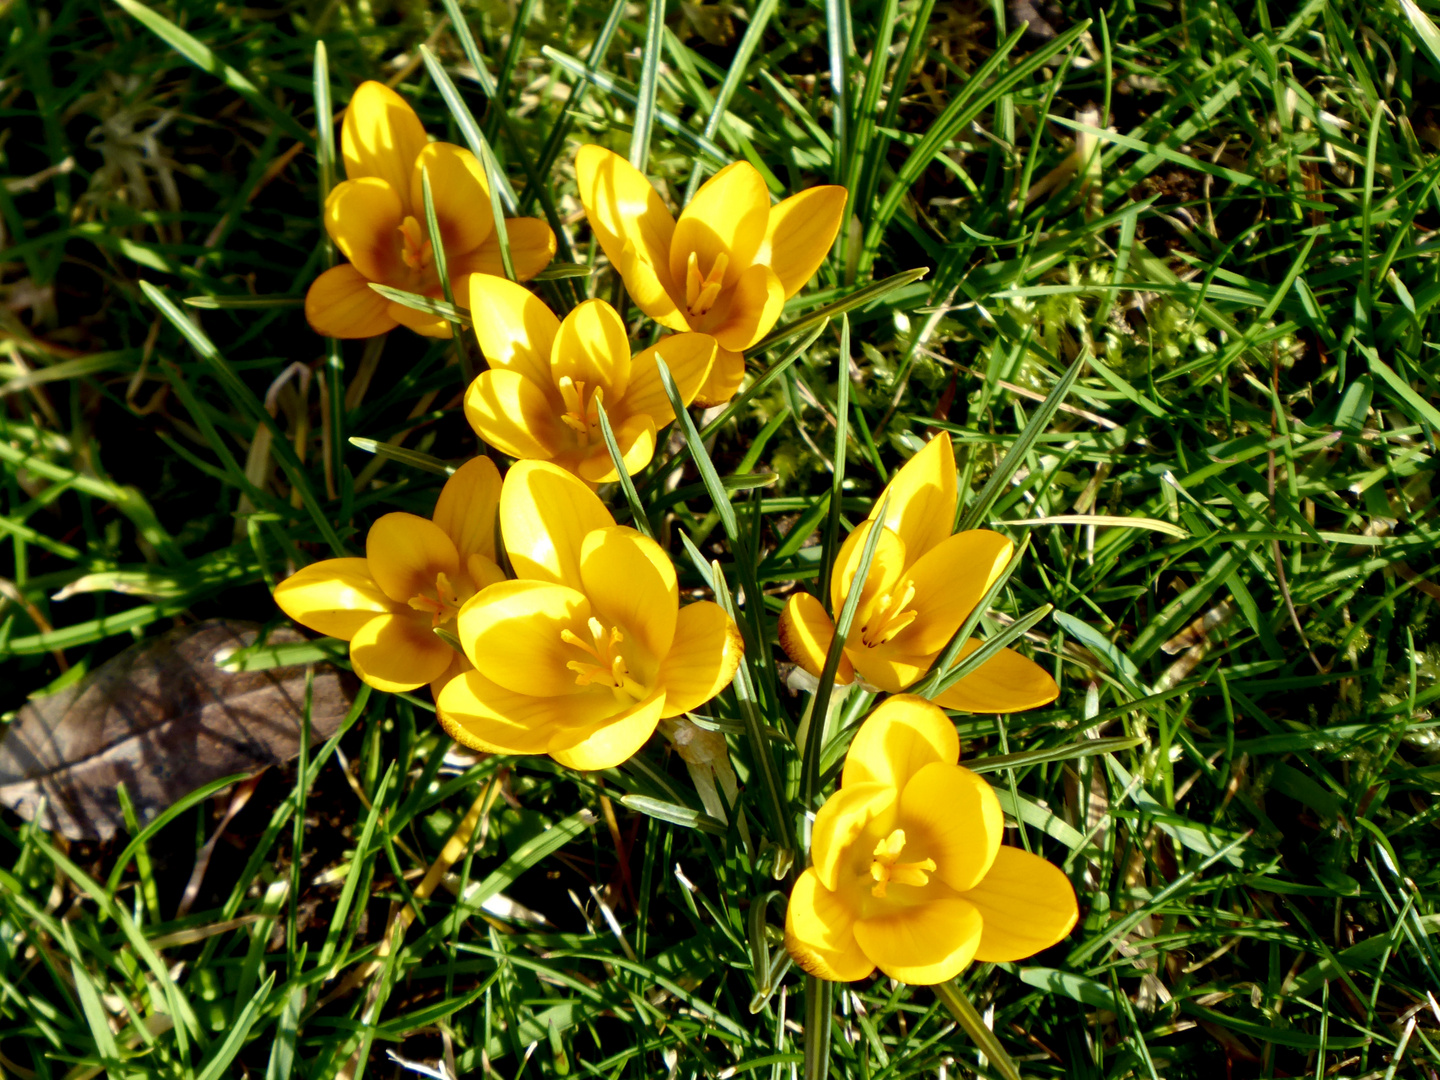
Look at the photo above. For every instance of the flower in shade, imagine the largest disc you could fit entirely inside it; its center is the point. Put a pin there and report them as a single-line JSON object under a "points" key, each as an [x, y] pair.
{"points": [[908, 873], [414, 577], [377, 218], [548, 378], [923, 583], [588, 649], [725, 268]]}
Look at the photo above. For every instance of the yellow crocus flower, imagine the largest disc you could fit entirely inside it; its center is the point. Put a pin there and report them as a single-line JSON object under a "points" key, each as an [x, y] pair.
{"points": [[414, 578], [540, 399], [377, 219], [584, 654], [725, 268], [922, 584], [908, 871]]}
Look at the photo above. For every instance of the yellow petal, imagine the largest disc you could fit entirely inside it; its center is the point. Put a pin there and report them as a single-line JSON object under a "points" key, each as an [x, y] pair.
{"points": [[886, 667], [515, 329], [820, 933], [483, 571], [702, 659], [592, 347], [887, 567], [631, 584], [689, 358], [406, 552], [545, 513], [949, 581], [1027, 904], [726, 375], [335, 597], [799, 234], [341, 304], [483, 715], [635, 438], [727, 216], [838, 828], [467, 507], [951, 815], [805, 635], [461, 195], [623, 207], [511, 633], [532, 246], [616, 740], [513, 415], [755, 302], [396, 653], [648, 287], [897, 740], [925, 944], [1007, 682], [363, 218], [419, 321], [457, 667], [921, 507], [381, 136]]}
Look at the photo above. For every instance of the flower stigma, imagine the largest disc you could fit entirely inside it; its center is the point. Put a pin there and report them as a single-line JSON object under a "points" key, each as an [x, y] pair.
{"points": [[581, 415], [416, 249], [702, 291], [890, 617], [443, 606], [609, 668], [886, 866]]}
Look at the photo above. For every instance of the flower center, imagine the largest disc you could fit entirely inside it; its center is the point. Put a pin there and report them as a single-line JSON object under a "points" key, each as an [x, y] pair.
{"points": [[889, 617], [416, 249], [582, 409], [443, 605], [887, 866], [606, 667], [702, 291]]}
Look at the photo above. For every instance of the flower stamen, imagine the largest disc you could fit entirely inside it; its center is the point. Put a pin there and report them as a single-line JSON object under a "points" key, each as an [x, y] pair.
{"points": [[890, 617], [416, 249], [609, 668], [886, 866], [701, 291], [582, 412], [443, 605]]}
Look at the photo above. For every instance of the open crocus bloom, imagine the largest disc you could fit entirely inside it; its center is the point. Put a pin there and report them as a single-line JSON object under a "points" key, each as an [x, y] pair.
{"points": [[377, 218], [923, 583], [583, 655], [725, 268], [413, 579], [547, 379], [908, 872]]}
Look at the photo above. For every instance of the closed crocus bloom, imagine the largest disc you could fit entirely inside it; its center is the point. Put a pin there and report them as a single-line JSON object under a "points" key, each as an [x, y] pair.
{"points": [[923, 583], [908, 871], [725, 268], [588, 649], [414, 577], [540, 399], [377, 219]]}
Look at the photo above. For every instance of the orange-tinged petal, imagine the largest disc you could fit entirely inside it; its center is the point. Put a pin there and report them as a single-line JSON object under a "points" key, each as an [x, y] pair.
{"points": [[949, 581], [624, 207], [467, 507], [513, 415], [341, 304], [616, 740], [1027, 903], [511, 633], [635, 438], [1007, 682], [545, 513], [396, 653], [631, 584], [755, 302], [820, 933], [515, 329], [460, 192], [887, 566], [726, 375], [838, 827], [921, 506], [925, 944], [951, 815], [702, 659], [647, 286], [689, 358], [381, 136], [422, 322], [897, 740], [805, 635], [592, 347], [335, 597], [363, 218], [406, 552], [727, 216], [532, 246], [799, 234], [486, 716]]}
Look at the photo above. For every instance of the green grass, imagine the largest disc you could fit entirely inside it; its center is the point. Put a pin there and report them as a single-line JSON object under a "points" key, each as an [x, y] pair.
{"points": [[1247, 270]]}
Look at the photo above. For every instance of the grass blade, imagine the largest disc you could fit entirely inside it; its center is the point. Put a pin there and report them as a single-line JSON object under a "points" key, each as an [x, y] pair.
{"points": [[645, 97]]}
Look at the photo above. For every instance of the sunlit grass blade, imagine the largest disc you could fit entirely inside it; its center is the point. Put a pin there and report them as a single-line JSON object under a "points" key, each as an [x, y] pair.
{"points": [[645, 93], [973, 1024], [859, 298], [696, 447], [429, 305], [241, 303], [627, 485], [399, 453]]}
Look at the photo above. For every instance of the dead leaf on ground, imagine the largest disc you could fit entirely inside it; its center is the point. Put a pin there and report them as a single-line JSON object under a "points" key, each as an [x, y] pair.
{"points": [[162, 718]]}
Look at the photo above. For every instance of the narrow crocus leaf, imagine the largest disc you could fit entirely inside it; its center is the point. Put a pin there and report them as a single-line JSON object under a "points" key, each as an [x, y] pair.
{"points": [[423, 303], [409, 457], [859, 298], [696, 446], [622, 471], [954, 1000], [949, 677]]}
